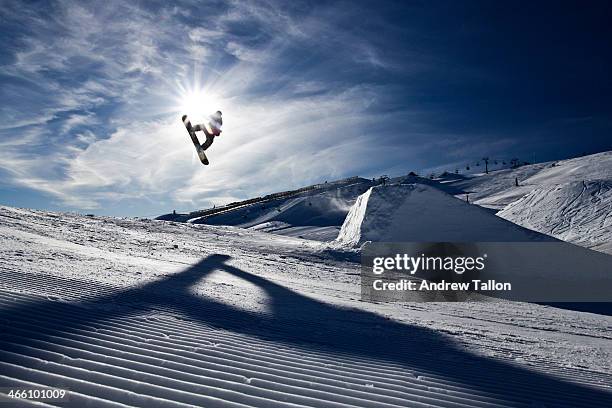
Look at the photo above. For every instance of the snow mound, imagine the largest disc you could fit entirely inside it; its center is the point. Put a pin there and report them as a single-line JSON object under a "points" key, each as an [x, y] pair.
{"points": [[414, 212], [578, 212]]}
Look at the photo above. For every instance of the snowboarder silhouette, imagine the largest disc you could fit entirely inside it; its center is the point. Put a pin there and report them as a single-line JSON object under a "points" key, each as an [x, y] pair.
{"points": [[211, 129]]}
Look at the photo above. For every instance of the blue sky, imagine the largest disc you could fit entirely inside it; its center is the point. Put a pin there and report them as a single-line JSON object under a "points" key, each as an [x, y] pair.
{"points": [[91, 94]]}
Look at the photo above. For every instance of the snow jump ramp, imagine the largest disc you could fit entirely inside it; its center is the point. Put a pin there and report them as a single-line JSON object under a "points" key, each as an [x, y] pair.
{"points": [[415, 218], [420, 213]]}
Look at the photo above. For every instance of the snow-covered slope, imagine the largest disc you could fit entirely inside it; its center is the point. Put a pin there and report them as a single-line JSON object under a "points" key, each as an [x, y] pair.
{"points": [[497, 189], [578, 212], [314, 214], [420, 213], [568, 199], [317, 213], [157, 314]]}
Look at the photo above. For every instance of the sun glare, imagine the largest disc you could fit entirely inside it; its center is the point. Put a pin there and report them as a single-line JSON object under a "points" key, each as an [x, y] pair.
{"points": [[198, 104]]}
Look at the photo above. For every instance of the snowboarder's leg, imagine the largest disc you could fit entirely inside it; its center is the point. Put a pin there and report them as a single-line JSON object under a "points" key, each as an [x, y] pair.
{"points": [[187, 123], [208, 142], [195, 140]]}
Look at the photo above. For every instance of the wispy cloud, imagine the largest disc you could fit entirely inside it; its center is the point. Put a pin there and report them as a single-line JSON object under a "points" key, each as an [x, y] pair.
{"points": [[91, 89]]}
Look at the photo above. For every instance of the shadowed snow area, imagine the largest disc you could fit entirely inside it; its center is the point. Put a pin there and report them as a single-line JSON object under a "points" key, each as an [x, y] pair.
{"points": [[151, 313], [420, 213]]}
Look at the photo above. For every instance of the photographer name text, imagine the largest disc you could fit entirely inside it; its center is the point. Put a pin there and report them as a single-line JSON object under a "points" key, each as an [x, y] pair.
{"points": [[414, 285]]}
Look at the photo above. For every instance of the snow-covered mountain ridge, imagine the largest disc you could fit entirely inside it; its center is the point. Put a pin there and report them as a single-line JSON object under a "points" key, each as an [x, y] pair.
{"points": [[318, 212]]}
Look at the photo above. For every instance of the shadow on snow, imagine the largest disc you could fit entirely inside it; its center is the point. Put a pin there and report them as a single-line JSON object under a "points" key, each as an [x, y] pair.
{"points": [[297, 320]]}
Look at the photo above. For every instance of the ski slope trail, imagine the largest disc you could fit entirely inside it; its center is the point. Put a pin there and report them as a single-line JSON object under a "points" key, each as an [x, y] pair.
{"points": [[148, 313], [497, 189]]}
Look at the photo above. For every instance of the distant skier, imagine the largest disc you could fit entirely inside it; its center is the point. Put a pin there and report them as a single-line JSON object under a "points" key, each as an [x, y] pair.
{"points": [[211, 129]]}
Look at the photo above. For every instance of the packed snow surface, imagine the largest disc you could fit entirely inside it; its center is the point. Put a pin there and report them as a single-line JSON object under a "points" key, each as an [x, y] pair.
{"points": [[420, 213], [148, 313]]}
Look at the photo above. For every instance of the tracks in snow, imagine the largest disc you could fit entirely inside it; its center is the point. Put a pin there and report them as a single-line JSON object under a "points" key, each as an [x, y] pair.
{"points": [[177, 340], [131, 356]]}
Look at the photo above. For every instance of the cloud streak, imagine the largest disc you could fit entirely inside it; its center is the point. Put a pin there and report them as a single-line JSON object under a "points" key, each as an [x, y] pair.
{"points": [[91, 100]]}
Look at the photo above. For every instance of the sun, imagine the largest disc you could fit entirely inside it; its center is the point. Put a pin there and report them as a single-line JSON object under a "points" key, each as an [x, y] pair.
{"points": [[198, 104]]}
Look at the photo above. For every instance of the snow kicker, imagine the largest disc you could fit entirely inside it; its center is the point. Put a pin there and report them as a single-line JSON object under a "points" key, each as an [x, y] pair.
{"points": [[420, 213]]}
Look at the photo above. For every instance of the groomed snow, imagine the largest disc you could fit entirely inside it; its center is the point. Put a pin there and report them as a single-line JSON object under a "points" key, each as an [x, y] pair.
{"points": [[148, 313]]}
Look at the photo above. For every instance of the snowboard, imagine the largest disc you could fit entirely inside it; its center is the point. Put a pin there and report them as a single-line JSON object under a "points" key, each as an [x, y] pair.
{"points": [[194, 139]]}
